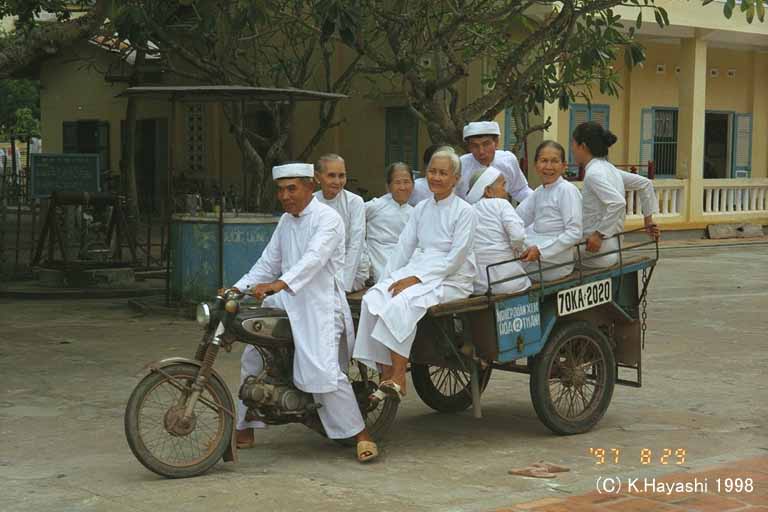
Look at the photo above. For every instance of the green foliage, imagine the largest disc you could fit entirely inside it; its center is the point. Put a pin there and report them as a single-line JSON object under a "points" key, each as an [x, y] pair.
{"points": [[750, 8], [15, 96], [26, 123]]}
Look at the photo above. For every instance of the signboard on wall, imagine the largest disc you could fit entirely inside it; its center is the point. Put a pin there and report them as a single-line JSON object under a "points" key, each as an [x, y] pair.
{"points": [[63, 172]]}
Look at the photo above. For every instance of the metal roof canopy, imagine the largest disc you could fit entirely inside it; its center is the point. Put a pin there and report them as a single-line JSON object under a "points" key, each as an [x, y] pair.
{"points": [[200, 93]]}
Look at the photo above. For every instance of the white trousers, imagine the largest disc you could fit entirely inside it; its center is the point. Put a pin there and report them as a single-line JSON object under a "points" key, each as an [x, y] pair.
{"points": [[339, 411], [547, 275], [375, 341], [609, 260]]}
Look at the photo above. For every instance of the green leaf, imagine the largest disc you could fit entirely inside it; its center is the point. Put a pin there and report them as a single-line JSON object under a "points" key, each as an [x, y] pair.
{"points": [[750, 14], [639, 22], [728, 8], [659, 19], [761, 10]]}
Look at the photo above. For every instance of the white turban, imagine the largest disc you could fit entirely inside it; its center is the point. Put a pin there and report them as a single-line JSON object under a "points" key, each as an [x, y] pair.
{"points": [[481, 128], [489, 176], [293, 171]]}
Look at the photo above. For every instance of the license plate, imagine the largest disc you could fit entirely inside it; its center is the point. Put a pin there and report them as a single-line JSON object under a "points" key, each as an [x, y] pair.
{"points": [[583, 297]]}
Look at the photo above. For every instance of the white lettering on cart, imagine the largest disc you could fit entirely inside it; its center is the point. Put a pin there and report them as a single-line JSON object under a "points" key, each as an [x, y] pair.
{"points": [[518, 318]]}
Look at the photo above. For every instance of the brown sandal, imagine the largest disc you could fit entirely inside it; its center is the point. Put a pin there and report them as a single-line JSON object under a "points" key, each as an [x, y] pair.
{"points": [[549, 467], [367, 451], [531, 471]]}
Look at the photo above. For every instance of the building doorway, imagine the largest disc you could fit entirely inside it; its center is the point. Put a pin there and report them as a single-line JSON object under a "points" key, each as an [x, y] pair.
{"points": [[717, 145]]}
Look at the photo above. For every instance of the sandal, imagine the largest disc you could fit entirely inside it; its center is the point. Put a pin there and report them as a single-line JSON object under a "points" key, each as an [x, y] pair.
{"points": [[377, 396], [531, 471], [549, 467], [367, 451], [245, 445], [392, 389]]}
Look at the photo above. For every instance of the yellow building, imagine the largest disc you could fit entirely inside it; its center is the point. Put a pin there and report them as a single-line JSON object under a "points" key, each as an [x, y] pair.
{"points": [[697, 109]]}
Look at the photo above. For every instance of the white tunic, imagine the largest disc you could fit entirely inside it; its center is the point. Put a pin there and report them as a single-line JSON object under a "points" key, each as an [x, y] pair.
{"points": [[435, 246], [420, 192], [506, 162], [352, 210], [307, 253], [604, 197], [385, 220], [552, 217], [499, 237]]}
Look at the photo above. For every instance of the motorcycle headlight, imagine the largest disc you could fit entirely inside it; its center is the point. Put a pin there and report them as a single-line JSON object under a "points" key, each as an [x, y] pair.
{"points": [[203, 314]]}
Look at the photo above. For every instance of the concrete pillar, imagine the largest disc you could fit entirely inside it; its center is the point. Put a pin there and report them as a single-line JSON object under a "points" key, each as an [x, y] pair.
{"points": [[690, 130], [759, 116]]}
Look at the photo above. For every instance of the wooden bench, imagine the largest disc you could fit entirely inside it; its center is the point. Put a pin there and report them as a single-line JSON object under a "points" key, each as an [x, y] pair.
{"points": [[480, 302]]}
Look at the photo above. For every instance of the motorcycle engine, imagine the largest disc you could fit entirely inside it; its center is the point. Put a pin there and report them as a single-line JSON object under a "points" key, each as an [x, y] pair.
{"points": [[274, 400]]}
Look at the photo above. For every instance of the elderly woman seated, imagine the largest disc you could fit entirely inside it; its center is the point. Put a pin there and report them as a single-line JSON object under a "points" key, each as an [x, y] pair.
{"points": [[552, 216], [386, 217], [499, 236], [433, 263]]}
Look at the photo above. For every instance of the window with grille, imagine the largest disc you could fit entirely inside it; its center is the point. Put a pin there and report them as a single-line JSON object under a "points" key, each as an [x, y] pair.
{"points": [[90, 137], [194, 115], [402, 137]]}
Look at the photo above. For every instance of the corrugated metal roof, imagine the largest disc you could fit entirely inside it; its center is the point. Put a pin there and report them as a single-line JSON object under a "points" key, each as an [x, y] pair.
{"points": [[229, 92]]}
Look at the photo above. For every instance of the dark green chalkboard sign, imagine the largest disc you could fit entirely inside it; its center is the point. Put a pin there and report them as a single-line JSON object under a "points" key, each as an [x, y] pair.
{"points": [[64, 172]]}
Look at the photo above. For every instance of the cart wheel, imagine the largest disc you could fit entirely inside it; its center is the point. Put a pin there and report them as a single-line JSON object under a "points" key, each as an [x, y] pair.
{"points": [[573, 378], [445, 389]]}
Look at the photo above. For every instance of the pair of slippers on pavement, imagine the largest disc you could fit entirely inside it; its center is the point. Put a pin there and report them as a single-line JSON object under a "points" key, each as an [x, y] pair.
{"points": [[539, 470]]}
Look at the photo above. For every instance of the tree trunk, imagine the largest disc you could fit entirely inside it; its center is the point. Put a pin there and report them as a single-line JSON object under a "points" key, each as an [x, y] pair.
{"points": [[128, 160]]}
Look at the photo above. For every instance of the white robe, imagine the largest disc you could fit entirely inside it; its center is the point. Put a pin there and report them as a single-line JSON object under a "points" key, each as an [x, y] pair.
{"points": [[499, 236], [552, 217], [435, 246], [605, 206], [384, 221], [352, 210], [420, 191], [307, 253], [506, 162]]}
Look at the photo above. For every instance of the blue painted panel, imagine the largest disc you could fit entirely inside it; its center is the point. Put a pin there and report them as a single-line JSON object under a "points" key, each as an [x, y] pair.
{"points": [[195, 255], [518, 326]]}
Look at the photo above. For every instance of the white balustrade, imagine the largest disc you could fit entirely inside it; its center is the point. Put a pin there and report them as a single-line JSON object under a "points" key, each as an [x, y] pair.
{"points": [[736, 196], [670, 194]]}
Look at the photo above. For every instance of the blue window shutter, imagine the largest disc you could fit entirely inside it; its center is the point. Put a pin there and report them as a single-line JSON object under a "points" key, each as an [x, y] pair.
{"points": [[509, 130], [647, 128], [742, 146], [578, 114]]}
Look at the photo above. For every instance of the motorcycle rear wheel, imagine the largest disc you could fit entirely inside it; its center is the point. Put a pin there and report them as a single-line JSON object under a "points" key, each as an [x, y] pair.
{"points": [[378, 418], [159, 441]]}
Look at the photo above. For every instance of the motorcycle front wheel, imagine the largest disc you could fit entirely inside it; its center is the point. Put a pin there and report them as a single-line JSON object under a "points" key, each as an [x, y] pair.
{"points": [[159, 435]]}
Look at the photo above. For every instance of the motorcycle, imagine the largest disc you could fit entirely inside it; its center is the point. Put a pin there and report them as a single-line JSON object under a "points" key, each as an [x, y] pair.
{"points": [[180, 419]]}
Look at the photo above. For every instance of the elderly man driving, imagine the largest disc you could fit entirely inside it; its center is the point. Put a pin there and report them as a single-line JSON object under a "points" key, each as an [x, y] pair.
{"points": [[302, 266]]}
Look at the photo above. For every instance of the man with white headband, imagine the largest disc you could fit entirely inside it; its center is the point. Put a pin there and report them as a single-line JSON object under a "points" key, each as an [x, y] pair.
{"points": [[302, 267], [499, 236], [482, 139]]}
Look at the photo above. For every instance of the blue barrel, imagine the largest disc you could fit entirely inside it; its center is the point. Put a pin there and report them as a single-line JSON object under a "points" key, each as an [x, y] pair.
{"points": [[195, 251]]}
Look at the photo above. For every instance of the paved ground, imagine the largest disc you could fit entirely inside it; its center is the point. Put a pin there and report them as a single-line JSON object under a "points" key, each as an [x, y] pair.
{"points": [[67, 369]]}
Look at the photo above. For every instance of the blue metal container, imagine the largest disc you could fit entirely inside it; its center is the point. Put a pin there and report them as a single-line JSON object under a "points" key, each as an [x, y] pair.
{"points": [[195, 251]]}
